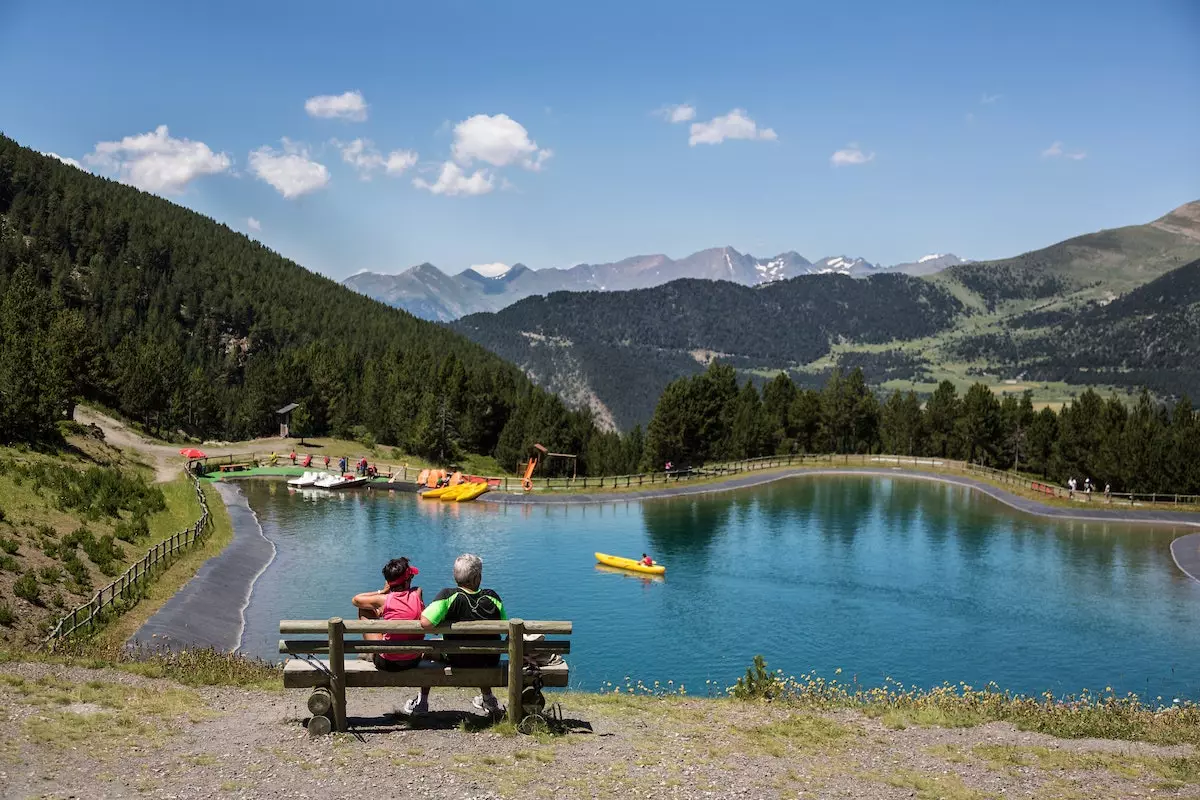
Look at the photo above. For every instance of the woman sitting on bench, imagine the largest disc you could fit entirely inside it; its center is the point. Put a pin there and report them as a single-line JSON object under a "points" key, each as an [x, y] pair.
{"points": [[398, 600]]}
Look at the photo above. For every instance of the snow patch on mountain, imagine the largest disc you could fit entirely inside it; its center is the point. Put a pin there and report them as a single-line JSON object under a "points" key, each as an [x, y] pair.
{"points": [[770, 271], [839, 265], [930, 257], [495, 270]]}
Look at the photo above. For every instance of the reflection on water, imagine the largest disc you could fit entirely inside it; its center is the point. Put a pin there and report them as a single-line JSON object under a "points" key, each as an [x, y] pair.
{"points": [[917, 580]]}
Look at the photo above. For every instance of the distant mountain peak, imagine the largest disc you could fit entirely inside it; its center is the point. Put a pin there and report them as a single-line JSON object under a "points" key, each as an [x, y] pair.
{"points": [[1183, 221], [841, 265], [494, 270]]}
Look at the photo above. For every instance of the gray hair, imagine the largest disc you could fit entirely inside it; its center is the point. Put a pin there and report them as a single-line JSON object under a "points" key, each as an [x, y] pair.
{"points": [[468, 571]]}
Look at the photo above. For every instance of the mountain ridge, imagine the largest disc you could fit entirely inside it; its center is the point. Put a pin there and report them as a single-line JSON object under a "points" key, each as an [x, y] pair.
{"points": [[444, 297], [998, 318]]}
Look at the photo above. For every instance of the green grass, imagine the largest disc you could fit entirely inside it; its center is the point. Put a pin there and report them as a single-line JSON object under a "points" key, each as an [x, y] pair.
{"points": [[805, 733], [171, 580], [100, 716], [1173, 771], [933, 787], [187, 667], [181, 512]]}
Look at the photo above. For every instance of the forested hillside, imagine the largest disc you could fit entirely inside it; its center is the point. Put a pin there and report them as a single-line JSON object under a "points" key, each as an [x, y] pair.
{"points": [[1098, 265], [179, 322], [1143, 447], [1149, 337], [628, 345]]}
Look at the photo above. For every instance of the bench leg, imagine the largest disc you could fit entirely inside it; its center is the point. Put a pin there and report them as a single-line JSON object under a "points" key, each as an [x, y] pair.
{"points": [[516, 672], [337, 666]]}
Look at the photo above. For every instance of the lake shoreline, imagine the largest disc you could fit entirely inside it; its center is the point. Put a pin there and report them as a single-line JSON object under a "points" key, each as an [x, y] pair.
{"points": [[209, 610], [1025, 504]]}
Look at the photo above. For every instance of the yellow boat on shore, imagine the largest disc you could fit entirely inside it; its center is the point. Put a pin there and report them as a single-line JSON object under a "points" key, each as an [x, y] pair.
{"points": [[454, 492], [630, 564], [475, 489], [436, 494]]}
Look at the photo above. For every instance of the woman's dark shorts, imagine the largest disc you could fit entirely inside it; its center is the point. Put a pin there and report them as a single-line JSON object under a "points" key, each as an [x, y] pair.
{"points": [[392, 665]]}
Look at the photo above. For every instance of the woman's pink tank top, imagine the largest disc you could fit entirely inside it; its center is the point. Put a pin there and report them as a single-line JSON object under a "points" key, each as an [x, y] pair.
{"points": [[402, 605]]}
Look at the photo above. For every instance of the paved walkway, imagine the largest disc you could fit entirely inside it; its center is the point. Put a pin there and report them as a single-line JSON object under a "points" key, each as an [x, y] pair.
{"points": [[208, 610]]}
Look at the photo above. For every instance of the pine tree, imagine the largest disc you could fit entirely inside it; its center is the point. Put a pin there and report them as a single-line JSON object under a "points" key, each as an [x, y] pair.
{"points": [[979, 424], [941, 420]]}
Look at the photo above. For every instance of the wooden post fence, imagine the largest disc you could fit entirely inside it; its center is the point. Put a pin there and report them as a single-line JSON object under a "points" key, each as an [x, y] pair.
{"points": [[87, 615]]}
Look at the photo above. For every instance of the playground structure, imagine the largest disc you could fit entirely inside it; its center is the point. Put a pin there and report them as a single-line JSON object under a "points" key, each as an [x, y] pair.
{"points": [[538, 453]]}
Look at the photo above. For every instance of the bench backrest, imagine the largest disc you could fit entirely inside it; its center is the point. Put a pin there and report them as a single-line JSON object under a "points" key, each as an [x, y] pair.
{"points": [[334, 639]]}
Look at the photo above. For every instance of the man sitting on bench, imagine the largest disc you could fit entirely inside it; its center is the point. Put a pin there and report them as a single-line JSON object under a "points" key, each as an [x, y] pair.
{"points": [[463, 603], [397, 600]]}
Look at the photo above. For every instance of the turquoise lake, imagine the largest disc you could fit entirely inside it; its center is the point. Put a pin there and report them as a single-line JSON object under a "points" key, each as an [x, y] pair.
{"points": [[917, 580]]}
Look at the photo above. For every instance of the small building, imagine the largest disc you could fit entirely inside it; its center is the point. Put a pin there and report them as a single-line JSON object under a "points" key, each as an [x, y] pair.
{"points": [[285, 419]]}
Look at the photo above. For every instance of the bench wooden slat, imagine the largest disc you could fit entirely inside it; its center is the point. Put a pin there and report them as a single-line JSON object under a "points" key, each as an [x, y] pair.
{"points": [[354, 646], [551, 627], [301, 674]]}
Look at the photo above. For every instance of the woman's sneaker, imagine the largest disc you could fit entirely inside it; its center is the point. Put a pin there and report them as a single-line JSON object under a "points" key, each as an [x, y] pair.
{"points": [[416, 706], [488, 703]]}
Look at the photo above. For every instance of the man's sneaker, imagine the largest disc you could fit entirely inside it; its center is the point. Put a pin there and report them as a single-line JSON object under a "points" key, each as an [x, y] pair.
{"points": [[416, 706], [488, 703]]}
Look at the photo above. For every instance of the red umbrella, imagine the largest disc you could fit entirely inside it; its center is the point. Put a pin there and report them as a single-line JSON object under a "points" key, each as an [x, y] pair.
{"points": [[192, 452]]}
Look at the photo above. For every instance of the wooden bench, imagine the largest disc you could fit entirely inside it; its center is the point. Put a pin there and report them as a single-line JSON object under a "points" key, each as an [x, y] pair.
{"points": [[342, 668], [234, 467]]}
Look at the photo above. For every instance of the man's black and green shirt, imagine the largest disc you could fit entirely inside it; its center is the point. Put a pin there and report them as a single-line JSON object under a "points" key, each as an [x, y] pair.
{"points": [[459, 605]]}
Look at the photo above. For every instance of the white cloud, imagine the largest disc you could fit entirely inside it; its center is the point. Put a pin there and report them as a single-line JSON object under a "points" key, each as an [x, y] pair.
{"points": [[453, 181], [253, 224], [850, 155], [290, 171], [64, 159], [497, 140], [1056, 151], [156, 162], [366, 159], [734, 125], [988, 99], [400, 160], [679, 113], [350, 106]]}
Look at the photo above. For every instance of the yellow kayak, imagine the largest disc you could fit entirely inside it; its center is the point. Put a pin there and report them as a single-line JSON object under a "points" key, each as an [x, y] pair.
{"points": [[434, 494], [474, 491], [629, 564], [451, 494]]}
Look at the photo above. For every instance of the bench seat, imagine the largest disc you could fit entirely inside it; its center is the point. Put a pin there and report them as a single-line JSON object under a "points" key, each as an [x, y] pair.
{"points": [[302, 674]]}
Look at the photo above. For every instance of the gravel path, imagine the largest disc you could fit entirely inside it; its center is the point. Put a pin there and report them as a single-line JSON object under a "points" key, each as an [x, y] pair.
{"points": [[71, 732]]}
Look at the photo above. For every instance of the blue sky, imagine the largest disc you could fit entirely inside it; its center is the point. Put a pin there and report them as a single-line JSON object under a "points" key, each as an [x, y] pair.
{"points": [[541, 133]]}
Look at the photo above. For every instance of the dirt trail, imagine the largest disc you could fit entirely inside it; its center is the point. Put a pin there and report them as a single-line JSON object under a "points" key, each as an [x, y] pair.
{"points": [[73, 732], [164, 458]]}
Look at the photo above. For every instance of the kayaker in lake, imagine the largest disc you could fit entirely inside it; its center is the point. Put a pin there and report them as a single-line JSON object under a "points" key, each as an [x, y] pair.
{"points": [[396, 600], [647, 560], [464, 603]]}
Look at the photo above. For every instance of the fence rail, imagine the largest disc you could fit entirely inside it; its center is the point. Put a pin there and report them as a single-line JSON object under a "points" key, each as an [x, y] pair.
{"points": [[1004, 477], [86, 615]]}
